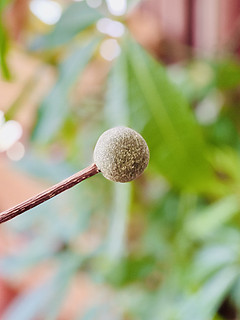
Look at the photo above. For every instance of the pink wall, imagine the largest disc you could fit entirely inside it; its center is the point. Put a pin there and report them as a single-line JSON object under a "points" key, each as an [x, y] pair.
{"points": [[207, 25]]}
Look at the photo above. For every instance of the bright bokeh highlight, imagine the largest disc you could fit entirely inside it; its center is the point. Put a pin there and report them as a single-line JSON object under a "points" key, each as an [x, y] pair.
{"points": [[111, 27], [47, 11], [110, 49]]}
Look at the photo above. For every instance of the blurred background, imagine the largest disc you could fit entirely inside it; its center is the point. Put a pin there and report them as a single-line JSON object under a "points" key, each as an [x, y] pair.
{"points": [[166, 246]]}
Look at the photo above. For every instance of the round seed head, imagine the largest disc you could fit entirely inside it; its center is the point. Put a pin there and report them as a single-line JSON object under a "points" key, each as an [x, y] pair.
{"points": [[121, 154]]}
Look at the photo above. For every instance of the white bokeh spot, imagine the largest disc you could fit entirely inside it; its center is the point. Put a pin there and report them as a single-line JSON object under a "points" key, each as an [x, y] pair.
{"points": [[48, 11], [117, 7], [10, 132], [110, 27], [110, 49]]}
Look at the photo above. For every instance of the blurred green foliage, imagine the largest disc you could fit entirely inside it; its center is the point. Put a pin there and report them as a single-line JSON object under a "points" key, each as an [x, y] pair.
{"points": [[168, 243], [3, 44]]}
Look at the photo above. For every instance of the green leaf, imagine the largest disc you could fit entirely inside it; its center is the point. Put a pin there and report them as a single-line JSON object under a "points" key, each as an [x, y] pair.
{"points": [[235, 294], [116, 107], [203, 305], [116, 241], [227, 74], [212, 258], [3, 53], [93, 313], [132, 269], [176, 144], [54, 108], [76, 18], [3, 3], [206, 221]]}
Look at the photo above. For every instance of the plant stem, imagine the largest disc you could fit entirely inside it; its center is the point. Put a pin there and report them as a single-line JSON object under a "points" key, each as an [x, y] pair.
{"points": [[49, 193]]}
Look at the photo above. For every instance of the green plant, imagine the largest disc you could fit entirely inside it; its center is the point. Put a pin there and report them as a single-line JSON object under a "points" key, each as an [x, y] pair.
{"points": [[168, 244]]}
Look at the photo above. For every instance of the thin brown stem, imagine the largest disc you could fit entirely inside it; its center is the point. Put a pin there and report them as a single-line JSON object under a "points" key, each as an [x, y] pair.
{"points": [[49, 193]]}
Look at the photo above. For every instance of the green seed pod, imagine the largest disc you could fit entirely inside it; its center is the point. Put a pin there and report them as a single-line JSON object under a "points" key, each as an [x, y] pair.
{"points": [[121, 154]]}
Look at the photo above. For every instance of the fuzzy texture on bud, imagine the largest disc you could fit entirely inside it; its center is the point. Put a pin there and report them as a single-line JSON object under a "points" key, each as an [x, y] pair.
{"points": [[121, 154]]}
